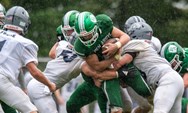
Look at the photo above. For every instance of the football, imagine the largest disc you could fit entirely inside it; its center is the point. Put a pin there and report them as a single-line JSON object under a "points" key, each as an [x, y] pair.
{"points": [[111, 40], [104, 47]]}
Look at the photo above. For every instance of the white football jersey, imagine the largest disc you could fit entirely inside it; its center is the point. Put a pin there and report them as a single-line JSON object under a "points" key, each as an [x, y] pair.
{"points": [[15, 52], [147, 60], [65, 66]]}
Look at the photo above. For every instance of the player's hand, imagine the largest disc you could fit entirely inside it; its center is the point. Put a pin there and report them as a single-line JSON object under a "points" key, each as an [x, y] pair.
{"points": [[97, 82], [116, 65], [52, 87], [110, 49]]}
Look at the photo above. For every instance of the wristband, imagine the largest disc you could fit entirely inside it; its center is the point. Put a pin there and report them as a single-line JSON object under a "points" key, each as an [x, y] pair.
{"points": [[118, 44], [117, 56], [117, 75]]}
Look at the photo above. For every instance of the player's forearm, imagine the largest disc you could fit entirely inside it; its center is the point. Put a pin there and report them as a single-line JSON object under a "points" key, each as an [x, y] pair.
{"points": [[38, 75], [125, 59], [185, 80], [107, 75], [123, 37], [52, 53], [102, 65], [97, 65], [87, 70]]}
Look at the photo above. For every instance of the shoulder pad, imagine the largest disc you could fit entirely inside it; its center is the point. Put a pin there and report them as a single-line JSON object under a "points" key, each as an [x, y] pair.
{"points": [[135, 46]]}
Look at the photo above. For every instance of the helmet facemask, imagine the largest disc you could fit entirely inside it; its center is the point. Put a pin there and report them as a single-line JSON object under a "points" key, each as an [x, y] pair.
{"points": [[174, 54], [67, 27], [2, 22], [176, 63], [88, 38], [67, 31], [69, 34]]}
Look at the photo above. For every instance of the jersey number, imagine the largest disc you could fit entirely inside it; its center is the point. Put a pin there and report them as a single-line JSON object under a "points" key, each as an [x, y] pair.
{"points": [[2, 44], [68, 56]]}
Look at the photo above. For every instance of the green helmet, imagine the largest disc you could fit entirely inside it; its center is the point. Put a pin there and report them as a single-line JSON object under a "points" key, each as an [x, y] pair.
{"points": [[59, 33], [86, 28], [2, 15], [68, 23], [174, 54]]}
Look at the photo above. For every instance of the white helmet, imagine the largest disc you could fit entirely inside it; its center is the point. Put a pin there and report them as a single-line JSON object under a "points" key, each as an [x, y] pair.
{"points": [[131, 20], [140, 30], [156, 44], [17, 18]]}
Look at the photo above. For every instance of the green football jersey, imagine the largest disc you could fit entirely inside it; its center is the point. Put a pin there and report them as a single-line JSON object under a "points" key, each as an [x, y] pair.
{"points": [[105, 25], [185, 62]]}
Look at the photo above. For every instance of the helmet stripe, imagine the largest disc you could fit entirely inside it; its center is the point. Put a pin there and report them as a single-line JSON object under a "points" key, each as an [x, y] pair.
{"points": [[81, 22], [136, 19], [66, 19]]}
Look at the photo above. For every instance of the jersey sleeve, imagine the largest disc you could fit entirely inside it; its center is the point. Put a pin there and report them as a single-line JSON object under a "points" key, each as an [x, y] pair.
{"points": [[30, 54], [135, 46]]}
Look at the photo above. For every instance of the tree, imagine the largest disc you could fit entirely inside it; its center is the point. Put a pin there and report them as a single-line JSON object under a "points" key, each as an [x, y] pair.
{"points": [[167, 21]]}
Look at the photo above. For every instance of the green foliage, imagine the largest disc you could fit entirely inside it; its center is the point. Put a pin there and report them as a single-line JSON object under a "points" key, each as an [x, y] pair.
{"points": [[43, 28], [168, 22]]}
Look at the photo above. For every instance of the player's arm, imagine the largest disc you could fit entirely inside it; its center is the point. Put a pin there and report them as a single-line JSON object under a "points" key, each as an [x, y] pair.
{"points": [[125, 59], [58, 97], [93, 61], [38, 75], [113, 48], [104, 75], [52, 53], [185, 80], [111, 73]]}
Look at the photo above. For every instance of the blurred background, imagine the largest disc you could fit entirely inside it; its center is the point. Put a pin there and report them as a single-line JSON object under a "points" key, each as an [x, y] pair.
{"points": [[168, 18]]}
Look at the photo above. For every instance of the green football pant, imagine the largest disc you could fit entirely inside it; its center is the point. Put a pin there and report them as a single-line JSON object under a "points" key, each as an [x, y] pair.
{"points": [[85, 94], [184, 105], [134, 79], [7, 109], [113, 92]]}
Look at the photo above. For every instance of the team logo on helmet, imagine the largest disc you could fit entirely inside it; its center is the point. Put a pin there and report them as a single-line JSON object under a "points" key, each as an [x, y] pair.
{"points": [[172, 49], [93, 19]]}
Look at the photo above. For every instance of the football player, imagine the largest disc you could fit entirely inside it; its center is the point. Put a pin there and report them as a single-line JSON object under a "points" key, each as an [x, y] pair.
{"points": [[5, 107], [134, 19], [92, 33], [159, 74], [60, 70], [178, 58], [76, 99], [155, 42], [17, 52]]}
